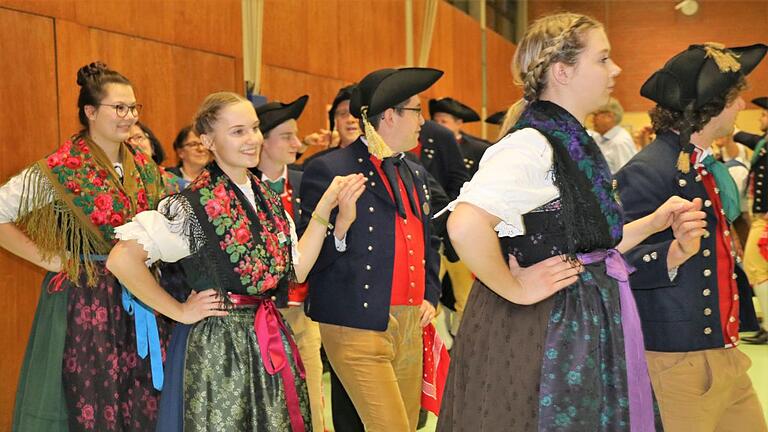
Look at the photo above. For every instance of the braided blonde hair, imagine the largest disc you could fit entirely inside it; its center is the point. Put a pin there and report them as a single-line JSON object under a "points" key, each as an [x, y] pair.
{"points": [[551, 39]]}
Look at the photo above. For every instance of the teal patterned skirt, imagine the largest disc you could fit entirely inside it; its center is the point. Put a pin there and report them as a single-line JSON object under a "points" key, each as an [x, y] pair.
{"points": [[218, 382]]}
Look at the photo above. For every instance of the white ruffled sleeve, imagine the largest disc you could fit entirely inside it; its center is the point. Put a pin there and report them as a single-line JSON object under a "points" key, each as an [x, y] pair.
{"points": [[295, 254], [514, 177], [162, 239]]}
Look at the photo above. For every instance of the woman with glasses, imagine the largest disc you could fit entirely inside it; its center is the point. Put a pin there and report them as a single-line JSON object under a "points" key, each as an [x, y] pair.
{"points": [[94, 359], [193, 156], [142, 137]]}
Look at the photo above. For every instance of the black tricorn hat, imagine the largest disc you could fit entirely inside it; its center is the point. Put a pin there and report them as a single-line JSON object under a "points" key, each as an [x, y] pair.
{"points": [[272, 114], [496, 118], [386, 88], [701, 74], [762, 102], [453, 107], [345, 93]]}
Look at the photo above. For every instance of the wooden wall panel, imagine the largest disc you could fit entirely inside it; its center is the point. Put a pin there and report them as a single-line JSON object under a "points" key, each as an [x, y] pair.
{"points": [[28, 130], [371, 36], [170, 81], [286, 85], [210, 25], [59, 8]]}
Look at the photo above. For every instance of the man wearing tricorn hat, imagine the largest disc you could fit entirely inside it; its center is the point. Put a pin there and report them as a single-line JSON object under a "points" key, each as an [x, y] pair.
{"points": [[687, 289], [755, 265], [375, 284], [280, 147], [453, 114]]}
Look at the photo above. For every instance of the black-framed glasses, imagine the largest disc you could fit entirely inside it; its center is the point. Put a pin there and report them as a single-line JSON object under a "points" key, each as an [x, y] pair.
{"points": [[414, 109], [122, 110]]}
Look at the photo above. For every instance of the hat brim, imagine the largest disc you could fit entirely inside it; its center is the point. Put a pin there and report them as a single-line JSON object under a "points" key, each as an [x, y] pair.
{"points": [[274, 114], [454, 108], [762, 102], [401, 85], [496, 118]]}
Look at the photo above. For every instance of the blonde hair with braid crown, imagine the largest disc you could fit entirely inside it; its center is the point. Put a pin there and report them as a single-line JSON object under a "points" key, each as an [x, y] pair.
{"points": [[551, 39]]}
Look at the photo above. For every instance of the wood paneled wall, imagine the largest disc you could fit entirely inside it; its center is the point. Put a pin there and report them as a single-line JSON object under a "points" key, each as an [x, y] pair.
{"points": [[317, 47], [174, 52], [645, 34]]}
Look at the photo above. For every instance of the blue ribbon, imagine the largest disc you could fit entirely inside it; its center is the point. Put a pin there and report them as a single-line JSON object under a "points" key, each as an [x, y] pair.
{"points": [[147, 337]]}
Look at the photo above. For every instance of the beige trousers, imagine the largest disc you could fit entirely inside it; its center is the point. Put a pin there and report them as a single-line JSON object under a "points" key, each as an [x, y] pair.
{"points": [[705, 391], [381, 371]]}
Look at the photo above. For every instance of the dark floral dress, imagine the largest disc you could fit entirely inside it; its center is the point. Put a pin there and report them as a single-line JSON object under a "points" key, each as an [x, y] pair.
{"points": [[82, 370], [560, 364]]}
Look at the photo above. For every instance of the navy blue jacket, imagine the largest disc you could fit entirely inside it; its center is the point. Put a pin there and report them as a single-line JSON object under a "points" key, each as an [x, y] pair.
{"points": [[353, 288], [441, 156], [680, 315]]}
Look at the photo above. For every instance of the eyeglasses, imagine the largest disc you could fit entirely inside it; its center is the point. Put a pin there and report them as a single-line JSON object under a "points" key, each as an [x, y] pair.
{"points": [[122, 110], [193, 145], [136, 139], [416, 110]]}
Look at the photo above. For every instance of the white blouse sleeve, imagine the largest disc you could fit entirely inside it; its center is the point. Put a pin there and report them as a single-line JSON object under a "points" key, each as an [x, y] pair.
{"points": [[295, 254], [163, 240], [514, 177], [10, 194]]}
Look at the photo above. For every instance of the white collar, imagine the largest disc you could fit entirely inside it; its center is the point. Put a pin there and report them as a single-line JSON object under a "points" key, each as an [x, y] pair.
{"points": [[283, 175]]}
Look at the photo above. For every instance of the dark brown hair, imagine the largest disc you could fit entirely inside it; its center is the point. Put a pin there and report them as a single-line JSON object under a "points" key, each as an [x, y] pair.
{"points": [[93, 79], [664, 119]]}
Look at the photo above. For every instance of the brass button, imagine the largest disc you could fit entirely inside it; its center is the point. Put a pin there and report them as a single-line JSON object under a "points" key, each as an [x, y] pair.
{"points": [[413, 284], [368, 267], [370, 229], [370, 248], [273, 298], [370, 209], [731, 319], [682, 182], [365, 305], [706, 252], [735, 296], [734, 276], [412, 268], [409, 237], [706, 234], [366, 286], [707, 203], [726, 233], [410, 252], [707, 311], [707, 272], [706, 292], [707, 330], [647, 258]]}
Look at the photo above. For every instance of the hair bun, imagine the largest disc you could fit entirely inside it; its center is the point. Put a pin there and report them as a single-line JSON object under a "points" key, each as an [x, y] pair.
{"points": [[89, 72]]}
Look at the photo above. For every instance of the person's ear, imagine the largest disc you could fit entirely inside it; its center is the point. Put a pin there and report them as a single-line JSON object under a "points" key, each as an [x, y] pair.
{"points": [[207, 141], [90, 112], [561, 72]]}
